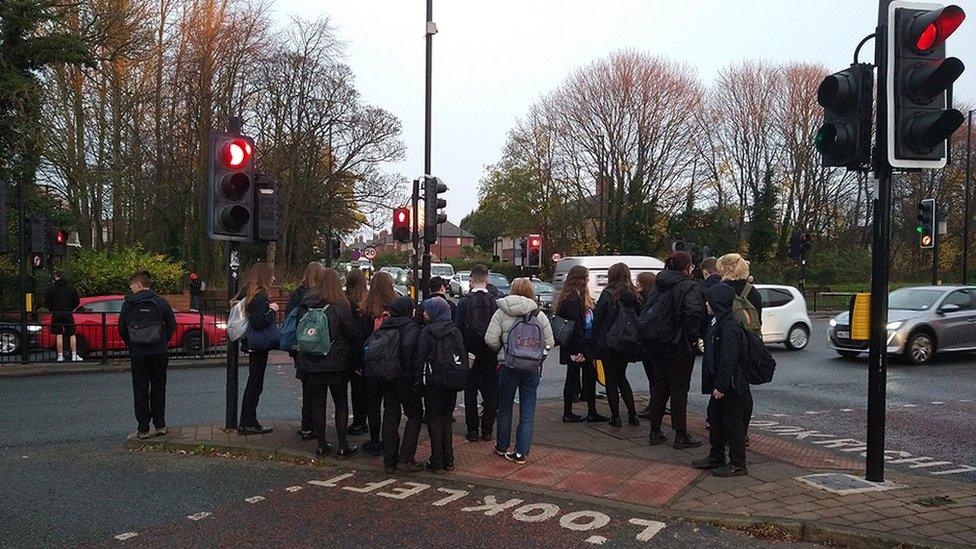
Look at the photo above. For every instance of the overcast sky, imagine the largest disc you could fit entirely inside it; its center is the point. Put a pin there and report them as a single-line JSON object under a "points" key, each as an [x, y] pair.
{"points": [[492, 60]]}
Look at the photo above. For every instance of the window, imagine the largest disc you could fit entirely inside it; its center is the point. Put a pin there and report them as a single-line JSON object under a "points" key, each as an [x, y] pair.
{"points": [[772, 297], [106, 306], [962, 298]]}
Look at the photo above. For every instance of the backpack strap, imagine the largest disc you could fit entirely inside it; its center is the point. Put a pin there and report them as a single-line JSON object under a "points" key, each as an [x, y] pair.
{"points": [[746, 290]]}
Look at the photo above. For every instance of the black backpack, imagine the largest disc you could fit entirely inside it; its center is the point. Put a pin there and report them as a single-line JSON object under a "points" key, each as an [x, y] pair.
{"points": [[657, 323], [382, 354], [622, 334], [758, 365], [449, 365], [145, 324], [477, 316]]}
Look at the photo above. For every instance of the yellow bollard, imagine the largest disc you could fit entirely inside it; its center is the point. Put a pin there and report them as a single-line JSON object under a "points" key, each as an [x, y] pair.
{"points": [[861, 317]]}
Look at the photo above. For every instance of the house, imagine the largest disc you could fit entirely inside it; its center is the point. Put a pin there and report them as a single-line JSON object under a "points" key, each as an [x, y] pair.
{"points": [[450, 244]]}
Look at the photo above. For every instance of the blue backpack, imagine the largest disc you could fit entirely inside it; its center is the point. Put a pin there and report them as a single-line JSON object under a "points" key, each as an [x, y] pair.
{"points": [[288, 331]]}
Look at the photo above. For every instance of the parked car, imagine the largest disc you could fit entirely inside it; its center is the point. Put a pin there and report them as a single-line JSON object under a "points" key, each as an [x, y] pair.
{"points": [[784, 316], [12, 337], [922, 321], [545, 294], [443, 270], [598, 266], [89, 328], [460, 284], [500, 283]]}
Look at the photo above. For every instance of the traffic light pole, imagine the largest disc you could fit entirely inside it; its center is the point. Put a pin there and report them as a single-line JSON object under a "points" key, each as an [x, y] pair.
{"points": [[969, 182], [881, 243], [233, 264], [415, 220], [429, 37], [22, 252]]}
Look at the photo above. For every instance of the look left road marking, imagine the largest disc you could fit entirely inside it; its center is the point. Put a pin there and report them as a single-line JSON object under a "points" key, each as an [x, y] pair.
{"points": [[125, 536], [254, 499], [596, 540], [198, 516], [293, 489]]}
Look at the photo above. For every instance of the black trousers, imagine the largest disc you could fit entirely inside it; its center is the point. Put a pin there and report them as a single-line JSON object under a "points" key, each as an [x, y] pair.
{"points": [[374, 405], [615, 371], [440, 402], [389, 393], [727, 429], [586, 387], [747, 405], [358, 392], [319, 404], [149, 390], [672, 379], [307, 424], [257, 363], [413, 407], [649, 372], [484, 379]]}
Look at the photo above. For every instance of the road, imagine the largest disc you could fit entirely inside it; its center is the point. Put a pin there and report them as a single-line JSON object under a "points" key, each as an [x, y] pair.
{"points": [[68, 481]]}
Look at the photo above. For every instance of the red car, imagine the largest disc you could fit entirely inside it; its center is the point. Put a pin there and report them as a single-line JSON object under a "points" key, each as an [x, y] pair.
{"points": [[188, 336]]}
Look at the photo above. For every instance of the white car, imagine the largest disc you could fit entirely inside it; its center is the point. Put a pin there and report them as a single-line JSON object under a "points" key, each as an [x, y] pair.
{"points": [[784, 316], [460, 284]]}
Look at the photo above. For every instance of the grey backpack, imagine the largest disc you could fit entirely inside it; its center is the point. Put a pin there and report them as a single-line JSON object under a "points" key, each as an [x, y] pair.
{"points": [[526, 349]]}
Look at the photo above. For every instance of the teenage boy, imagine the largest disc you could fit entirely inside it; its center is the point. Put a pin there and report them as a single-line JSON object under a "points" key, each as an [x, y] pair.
{"points": [[474, 313]]}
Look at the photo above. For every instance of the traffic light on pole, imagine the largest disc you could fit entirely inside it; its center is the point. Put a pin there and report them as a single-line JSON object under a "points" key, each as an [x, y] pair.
{"points": [[919, 81], [535, 250], [230, 179], [39, 234], [800, 244], [401, 224], [433, 188], [844, 139], [59, 242], [926, 229]]}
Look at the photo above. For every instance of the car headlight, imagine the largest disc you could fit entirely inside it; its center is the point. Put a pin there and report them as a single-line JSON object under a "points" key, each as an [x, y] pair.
{"points": [[221, 325], [895, 325], [832, 323], [33, 328]]}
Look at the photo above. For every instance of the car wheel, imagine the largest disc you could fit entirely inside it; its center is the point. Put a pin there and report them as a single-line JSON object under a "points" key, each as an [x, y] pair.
{"points": [[9, 342], [849, 355], [192, 342], [797, 338], [920, 348]]}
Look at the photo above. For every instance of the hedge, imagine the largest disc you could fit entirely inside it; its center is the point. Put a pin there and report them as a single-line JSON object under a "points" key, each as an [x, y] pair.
{"points": [[108, 272]]}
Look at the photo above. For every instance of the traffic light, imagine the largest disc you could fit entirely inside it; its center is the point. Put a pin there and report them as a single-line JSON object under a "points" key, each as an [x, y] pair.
{"points": [[59, 242], [433, 187], [920, 76], [800, 244], [926, 229], [535, 250], [266, 227], [522, 258], [4, 233], [230, 179], [401, 225], [39, 234], [844, 139]]}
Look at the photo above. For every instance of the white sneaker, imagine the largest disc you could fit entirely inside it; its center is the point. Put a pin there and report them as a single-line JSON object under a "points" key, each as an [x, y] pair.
{"points": [[60, 358], [76, 358]]}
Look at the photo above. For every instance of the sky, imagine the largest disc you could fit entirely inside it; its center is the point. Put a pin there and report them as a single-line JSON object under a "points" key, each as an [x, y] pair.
{"points": [[493, 60]]}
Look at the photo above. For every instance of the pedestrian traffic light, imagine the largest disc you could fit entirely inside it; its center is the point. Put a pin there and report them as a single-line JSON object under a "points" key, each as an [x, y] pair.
{"points": [[523, 253], [535, 250], [920, 76], [800, 244], [926, 229], [401, 225], [230, 179], [844, 139], [39, 234], [433, 188], [59, 242]]}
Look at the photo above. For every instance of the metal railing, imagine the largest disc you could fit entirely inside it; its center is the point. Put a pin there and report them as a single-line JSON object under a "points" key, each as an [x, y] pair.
{"points": [[828, 302]]}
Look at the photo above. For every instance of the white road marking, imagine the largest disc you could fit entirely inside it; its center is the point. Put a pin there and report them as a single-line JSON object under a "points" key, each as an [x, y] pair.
{"points": [[812, 413], [909, 405], [403, 493], [254, 499], [293, 489], [454, 496], [596, 540], [651, 528], [491, 507], [198, 516], [937, 402], [846, 409], [370, 486], [597, 520], [332, 482], [125, 536], [965, 400], [535, 512], [780, 415]]}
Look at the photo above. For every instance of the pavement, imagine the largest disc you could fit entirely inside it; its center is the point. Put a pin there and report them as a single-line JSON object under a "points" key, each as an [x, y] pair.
{"points": [[16, 369], [596, 463]]}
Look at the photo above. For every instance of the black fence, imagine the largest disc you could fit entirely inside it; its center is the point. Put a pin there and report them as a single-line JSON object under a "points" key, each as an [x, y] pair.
{"points": [[828, 302], [198, 335]]}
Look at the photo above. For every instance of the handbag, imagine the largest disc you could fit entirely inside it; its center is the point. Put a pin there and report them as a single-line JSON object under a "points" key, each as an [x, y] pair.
{"points": [[562, 329], [265, 339]]}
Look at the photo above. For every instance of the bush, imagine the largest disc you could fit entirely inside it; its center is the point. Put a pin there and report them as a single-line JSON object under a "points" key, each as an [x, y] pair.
{"points": [[107, 273]]}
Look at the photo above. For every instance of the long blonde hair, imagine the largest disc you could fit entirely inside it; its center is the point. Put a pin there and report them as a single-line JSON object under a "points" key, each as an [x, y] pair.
{"points": [[523, 287], [732, 267], [259, 279]]}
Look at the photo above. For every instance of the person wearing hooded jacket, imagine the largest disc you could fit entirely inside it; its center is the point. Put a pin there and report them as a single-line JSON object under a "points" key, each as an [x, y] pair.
{"points": [[439, 400], [724, 379], [676, 360], [399, 392], [619, 293], [512, 308], [734, 270]]}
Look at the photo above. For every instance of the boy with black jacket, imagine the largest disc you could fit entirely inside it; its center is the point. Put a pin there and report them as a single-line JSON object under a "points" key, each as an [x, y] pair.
{"points": [[152, 325], [439, 400], [724, 379], [400, 392], [474, 313]]}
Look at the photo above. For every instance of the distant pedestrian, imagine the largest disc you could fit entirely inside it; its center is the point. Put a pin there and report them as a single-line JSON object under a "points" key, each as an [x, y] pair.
{"points": [[734, 270], [723, 378], [323, 355], [146, 324], [357, 288], [197, 287], [645, 285], [474, 314], [576, 305], [438, 288], [314, 272], [615, 339], [62, 299], [377, 308], [261, 338], [522, 336], [675, 358]]}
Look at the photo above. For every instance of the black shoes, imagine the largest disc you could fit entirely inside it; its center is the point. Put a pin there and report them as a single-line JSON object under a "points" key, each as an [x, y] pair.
{"points": [[615, 422], [449, 467], [486, 436], [435, 470], [684, 440], [322, 450], [572, 418], [254, 430], [515, 457], [656, 437], [306, 435], [644, 414], [729, 470], [596, 418], [373, 448], [390, 469], [707, 463], [632, 419], [356, 429], [411, 466], [343, 453], [472, 436]]}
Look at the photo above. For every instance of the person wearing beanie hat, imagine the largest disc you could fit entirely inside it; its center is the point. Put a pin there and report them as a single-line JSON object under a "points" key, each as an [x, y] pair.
{"points": [[197, 287], [676, 359]]}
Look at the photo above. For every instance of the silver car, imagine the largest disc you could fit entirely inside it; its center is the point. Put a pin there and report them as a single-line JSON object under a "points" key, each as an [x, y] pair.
{"points": [[922, 321]]}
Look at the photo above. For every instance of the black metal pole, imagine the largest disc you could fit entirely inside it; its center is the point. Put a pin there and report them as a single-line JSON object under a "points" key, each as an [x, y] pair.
{"points": [[415, 237], [877, 352], [22, 251], [969, 182], [936, 237], [233, 263], [430, 30]]}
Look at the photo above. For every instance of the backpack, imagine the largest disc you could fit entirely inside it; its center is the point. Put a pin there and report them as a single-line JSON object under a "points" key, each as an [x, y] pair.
{"points": [[289, 330], [450, 361], [657, 322], [381, 355], [237, 322], [758, 365], [145, 324], [477, 316], [313, 336], [745, 312], [622, 334], [525, 351]]}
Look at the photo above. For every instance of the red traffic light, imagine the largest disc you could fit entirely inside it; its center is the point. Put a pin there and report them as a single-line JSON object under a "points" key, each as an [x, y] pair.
{"points": [[931, 29], [401, 224], [61, 237], [235, 153], [534, 241]]}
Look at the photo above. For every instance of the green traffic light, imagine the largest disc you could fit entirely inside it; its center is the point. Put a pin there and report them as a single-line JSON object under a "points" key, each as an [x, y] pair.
{"points": [[920, 229]]}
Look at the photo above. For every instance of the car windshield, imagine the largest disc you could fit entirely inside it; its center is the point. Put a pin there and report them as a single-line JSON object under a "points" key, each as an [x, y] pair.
{"points": [[543, 288], [497, 280], [441, 270], [463, 276], [913, 299]]}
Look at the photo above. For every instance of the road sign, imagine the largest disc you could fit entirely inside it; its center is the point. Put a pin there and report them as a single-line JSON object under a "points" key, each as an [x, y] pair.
{"points": [[354, 254], [370, 253], [556, 258]]}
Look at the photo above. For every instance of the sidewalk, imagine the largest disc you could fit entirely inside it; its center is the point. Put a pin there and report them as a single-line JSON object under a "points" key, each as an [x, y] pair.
{"points": [[596, 462], [16, 369]]}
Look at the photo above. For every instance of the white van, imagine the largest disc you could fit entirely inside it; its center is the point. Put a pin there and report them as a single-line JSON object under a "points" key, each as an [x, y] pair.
{"points": [[598, 266], [443, 270]]}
